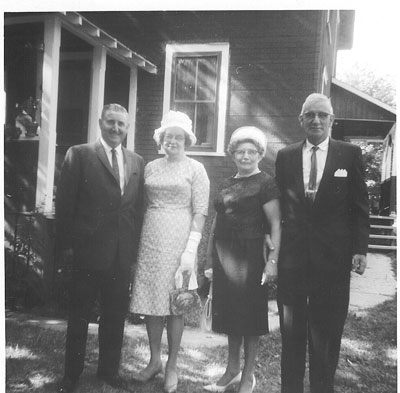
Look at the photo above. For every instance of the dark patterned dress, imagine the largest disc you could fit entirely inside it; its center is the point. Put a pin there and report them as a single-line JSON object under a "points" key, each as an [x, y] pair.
{"points": [[240, 302]]}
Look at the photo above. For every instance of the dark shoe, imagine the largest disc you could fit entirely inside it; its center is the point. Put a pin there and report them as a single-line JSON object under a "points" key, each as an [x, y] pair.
{"points": [[115, 381], [67, 385]]}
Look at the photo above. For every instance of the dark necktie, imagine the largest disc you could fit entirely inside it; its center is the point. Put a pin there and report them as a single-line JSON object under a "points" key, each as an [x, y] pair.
{"points": [[115, 164], [312, 184]]}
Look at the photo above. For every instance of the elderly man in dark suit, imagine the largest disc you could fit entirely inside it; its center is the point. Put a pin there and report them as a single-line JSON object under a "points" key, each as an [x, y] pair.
{"points": [[325, 231], [98, 221]]}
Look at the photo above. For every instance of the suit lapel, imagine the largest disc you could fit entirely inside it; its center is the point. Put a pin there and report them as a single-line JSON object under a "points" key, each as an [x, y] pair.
{"points": [[332, 159], [297, 166], [128, 166]]}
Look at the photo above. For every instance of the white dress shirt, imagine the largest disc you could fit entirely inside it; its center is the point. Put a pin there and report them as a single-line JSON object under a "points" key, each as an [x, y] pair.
{"points": [[120, 159], [321, 154]]}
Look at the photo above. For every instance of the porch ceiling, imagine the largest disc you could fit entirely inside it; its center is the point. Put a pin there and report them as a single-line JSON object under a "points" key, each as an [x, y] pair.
{"points": [[371, 129], [89, 32], [78, 24]]}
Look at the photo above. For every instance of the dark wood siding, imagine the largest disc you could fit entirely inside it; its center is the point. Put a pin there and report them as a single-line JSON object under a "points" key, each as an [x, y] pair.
{"points": [[275, 62], [347, 105]]}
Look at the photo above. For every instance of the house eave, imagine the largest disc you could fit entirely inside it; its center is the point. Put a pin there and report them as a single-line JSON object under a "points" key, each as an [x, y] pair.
{"points": [[82, 27], [363, 95]]}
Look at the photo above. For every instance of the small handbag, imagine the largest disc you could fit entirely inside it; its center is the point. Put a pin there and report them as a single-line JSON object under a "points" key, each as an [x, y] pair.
{"points": [[183, 300], [206, 312]]}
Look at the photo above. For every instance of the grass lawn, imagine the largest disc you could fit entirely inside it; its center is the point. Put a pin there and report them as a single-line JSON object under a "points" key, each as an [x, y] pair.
{"points": [[368, 362]]}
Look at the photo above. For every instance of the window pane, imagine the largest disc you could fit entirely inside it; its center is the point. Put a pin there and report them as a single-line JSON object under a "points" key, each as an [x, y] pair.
{"points": [[187, 108], [185, 78], [205, 120], [207, 78]]}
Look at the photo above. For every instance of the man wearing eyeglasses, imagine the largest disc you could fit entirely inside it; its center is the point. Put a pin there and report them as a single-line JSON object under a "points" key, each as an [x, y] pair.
{"points": [[325, 232]]}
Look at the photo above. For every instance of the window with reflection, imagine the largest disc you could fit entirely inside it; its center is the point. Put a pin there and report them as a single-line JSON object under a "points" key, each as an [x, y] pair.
{"points": [[195, 93], [196, 84]]}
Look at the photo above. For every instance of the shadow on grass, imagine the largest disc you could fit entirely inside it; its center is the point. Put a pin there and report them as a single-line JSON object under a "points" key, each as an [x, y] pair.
{"points": [[368, 360], [35, 358]]}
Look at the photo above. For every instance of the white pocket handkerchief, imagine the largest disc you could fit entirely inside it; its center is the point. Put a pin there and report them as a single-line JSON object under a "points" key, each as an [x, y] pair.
{"points": [[340, 173]]}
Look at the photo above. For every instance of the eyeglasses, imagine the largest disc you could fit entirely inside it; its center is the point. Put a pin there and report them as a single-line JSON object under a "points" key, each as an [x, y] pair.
{"points": [[313, 115], [240, 153], [178, 138]]}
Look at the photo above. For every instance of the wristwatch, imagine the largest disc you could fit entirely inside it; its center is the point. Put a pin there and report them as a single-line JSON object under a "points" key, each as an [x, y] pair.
{"points": [[273, 261]]}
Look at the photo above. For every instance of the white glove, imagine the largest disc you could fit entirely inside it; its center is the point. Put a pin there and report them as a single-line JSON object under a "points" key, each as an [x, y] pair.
{"points": [[179, 280], [188, 257]]}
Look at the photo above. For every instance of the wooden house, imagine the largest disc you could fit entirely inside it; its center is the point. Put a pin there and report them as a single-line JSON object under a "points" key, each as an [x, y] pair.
{"points": [[225, 69]]}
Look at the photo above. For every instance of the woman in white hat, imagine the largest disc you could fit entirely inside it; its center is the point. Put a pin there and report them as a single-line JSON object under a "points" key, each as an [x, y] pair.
{"points": [[248, 215], [177, 193]]}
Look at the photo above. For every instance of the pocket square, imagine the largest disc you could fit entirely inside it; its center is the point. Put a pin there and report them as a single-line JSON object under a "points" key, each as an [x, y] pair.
{"points": [[340, 173]]}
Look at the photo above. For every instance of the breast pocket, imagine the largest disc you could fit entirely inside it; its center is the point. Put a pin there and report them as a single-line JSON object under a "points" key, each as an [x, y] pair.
{"points": [[340, 185], [338, 191]]}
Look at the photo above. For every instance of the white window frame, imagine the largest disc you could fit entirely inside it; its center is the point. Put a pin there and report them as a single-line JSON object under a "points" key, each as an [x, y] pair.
{"points": [[223, 49], [328, 25], [324, 85]]}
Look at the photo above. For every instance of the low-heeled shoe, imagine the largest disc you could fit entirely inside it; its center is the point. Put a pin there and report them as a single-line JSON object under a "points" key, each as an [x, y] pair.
{"points": [[171, 388], [140, 377], [222, 388]]}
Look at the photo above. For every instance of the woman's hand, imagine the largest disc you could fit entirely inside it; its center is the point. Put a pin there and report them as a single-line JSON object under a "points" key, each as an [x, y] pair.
{"points": [[188, 257], [208, 271], [270, 273], [209, 274], [268, 246]]}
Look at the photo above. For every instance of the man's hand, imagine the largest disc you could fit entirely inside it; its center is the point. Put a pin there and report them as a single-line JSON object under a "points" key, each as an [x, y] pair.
{"points": [[359, 263]]}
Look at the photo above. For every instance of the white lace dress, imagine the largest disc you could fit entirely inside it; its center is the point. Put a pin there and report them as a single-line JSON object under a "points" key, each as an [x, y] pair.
{"points": [[175, 191]]}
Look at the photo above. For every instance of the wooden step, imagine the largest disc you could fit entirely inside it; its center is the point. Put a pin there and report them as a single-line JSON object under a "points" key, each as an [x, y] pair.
{"points": [[389, 237], [382, 217], [373, 226], [379, 247]]}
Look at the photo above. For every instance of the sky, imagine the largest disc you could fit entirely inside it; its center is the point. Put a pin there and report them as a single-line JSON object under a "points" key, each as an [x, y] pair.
{"points": [[376, 43]]}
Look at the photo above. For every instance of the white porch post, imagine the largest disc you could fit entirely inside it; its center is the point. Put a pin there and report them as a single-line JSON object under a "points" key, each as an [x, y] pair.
{"points": [[130, 142], [97, 91], [48, 132]]}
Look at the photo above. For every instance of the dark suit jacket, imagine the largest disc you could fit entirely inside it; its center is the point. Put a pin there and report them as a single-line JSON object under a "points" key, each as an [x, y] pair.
{"points": [[91, 215], [337, 225]]}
